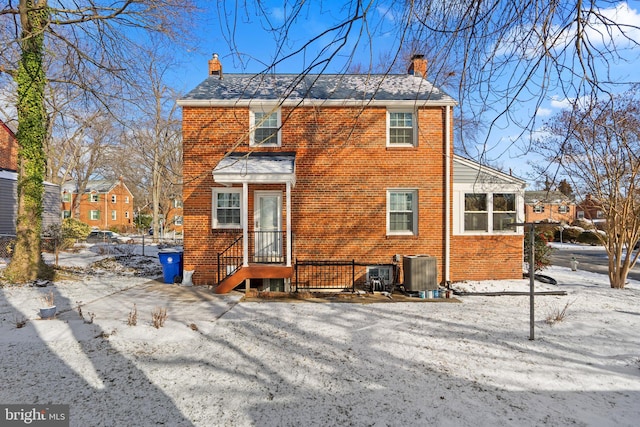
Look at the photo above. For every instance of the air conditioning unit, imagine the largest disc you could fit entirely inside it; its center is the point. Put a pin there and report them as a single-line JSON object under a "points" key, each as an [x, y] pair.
{"points": [[420, 272]]}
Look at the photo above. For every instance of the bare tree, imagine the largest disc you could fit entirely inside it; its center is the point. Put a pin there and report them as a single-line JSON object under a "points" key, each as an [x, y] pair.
{"points": [[598, 146], [508, 57], [98, 39]]}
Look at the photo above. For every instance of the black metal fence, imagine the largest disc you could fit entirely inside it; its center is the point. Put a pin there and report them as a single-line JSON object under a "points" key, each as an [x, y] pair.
{"points": [[325, 275]]}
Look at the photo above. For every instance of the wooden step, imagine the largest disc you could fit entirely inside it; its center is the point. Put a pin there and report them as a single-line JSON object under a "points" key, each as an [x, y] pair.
{"points": [[253, 272]]}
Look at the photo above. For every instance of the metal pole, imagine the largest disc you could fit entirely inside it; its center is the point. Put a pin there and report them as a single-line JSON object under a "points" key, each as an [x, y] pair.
{"points": [[532, 236]]}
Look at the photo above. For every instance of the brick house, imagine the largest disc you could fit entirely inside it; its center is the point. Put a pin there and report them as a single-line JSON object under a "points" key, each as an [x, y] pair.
{"points": [[9, 187], [549, 206], [105, 204], [282, 168], [8, 148]]}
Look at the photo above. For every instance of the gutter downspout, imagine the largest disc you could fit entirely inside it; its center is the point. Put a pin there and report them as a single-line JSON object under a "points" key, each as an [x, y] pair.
{"points": [[447, 198]]}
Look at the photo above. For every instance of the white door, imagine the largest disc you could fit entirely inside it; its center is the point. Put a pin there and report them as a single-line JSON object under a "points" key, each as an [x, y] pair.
{"points": [[268, 227]]}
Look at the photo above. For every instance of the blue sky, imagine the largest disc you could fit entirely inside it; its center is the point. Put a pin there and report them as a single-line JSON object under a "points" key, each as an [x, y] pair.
{"points": [[257, 47]]}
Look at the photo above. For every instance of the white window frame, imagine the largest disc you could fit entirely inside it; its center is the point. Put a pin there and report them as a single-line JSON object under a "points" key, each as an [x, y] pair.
{"points": [[94, 197], [126, 199], [94, 215], [66, 214], [114, 215], [177, 203], [179, 220], [580, 215], [460, 190], [254, 126], [214, 211], [414, 211], [114, 198], [388, 277], [126, 214], [563, 209], [538, 209], [414, 128], [66, 197]]}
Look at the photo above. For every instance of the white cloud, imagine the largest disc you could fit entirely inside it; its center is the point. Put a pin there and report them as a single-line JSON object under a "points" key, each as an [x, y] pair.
{"points": [[544, 112]]}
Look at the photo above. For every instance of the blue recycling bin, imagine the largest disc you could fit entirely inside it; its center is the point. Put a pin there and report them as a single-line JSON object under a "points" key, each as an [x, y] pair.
{"points": [[171, 261]]}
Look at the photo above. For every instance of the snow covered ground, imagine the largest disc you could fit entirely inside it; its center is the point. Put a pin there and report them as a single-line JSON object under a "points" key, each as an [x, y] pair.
{"points": [[221, 362]]}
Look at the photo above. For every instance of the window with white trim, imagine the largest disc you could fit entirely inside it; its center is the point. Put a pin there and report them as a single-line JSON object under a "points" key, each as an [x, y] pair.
{"points": [[490, 212], [66, 197], [504, 211], [401, 128], [402, 212], [475, 212], [177, 203], [538, 209], [563, 209], [380, 271], [126, 199], [265, 128], [94, 215], [177, 220], [93, 197], [66, 214], [126, 214], [113, 198], [114, 215], [580, 214], [227, 208]]}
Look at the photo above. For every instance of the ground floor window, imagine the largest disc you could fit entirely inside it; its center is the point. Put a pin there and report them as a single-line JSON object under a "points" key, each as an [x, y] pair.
{"points": [[402, 212], [227, 208], [490, 212], [94, 215]]}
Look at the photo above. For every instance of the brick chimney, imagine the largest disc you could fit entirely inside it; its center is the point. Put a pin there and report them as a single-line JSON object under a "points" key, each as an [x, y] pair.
{"points": [[418, 66], [215, 67]]}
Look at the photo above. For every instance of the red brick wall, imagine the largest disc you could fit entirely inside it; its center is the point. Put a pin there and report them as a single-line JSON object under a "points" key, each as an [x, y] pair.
{"points": [[343, 169], [8, 149], [486, 257]]}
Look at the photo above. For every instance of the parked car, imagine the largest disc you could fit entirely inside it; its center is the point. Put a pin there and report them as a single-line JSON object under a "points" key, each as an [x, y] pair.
{"points": [[101, 236]]}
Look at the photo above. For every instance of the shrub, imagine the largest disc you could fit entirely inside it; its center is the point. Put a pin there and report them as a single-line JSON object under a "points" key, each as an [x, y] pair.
{"points": [[541, 251], [589, 237], [571, 234]]}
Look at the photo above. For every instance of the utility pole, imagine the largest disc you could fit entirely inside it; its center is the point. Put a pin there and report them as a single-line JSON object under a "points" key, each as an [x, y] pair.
{"points": [[532, 237]]}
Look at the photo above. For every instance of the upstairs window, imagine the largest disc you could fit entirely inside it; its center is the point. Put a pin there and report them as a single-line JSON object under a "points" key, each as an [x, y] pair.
{"points": [[177, 203], [177, 220], [227, 208], [113, 198], [538, 209], [266, 129], [563, 209], [126, 199], [401, 128], [93, 197], [66, 197]]}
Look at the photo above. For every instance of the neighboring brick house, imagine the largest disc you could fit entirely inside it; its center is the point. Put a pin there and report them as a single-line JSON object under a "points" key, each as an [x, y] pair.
{"points": [[9, 186], [280, 168], [8, 148], [549, 206], [105, 204], [590, 209], [174, 217]]}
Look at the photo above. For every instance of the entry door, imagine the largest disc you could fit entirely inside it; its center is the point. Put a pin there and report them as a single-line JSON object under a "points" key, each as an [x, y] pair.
{"points": [[268, 227]]}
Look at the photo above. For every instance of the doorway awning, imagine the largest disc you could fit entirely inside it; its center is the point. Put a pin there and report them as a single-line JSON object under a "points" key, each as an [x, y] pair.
{"points": [[256, 168]]}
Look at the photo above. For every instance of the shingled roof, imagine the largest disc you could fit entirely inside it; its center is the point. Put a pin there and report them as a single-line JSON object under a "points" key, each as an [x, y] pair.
{"points": [[292, 89]]}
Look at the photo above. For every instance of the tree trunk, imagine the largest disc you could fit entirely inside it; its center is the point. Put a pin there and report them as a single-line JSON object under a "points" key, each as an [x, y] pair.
{"points": [[26, 263]]}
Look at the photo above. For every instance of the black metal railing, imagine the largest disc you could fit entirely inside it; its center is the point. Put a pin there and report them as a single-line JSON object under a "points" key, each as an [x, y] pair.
{"points": [[265, 247], [314, 275]]}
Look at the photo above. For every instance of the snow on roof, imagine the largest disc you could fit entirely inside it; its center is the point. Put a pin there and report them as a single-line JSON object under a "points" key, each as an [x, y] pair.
{"points": [[316, 88], [256, 167]]}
